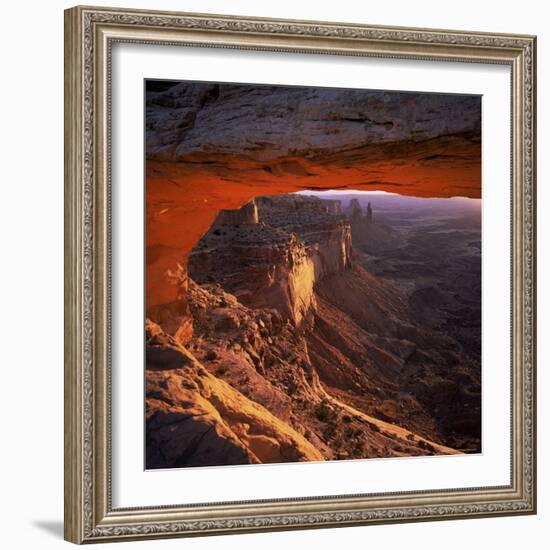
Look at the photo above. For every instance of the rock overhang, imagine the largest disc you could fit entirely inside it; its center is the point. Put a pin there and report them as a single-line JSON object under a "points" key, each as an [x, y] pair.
{"points": [[216, 147]]}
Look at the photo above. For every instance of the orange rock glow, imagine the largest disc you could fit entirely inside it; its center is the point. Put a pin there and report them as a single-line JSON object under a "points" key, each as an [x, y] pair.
{"points": [[184, 198]]}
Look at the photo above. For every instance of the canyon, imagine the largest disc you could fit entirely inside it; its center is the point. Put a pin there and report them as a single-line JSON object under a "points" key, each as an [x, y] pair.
{"points": [[212, 147], [297, 352], [288, 319]]}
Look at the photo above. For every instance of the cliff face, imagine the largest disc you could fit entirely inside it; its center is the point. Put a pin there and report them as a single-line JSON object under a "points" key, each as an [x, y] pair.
{"points": [[215, 147], [362, 226], [298, 353], [317, 223], [274, 263], [196, 419], [246, 215], [246, 389]]}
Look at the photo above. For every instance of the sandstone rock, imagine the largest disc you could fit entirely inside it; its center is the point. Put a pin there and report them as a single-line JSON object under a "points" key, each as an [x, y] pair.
{"points": [[213, 147], [162, 351], [226, 319], [246, 120], [194, 418], [354, 210], [246, 215], [196, 436], [276, 263], [369, 215], [287, 319]]}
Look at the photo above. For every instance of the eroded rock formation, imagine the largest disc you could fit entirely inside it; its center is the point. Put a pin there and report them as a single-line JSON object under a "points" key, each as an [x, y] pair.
{"points": [[247, 390], [275, 262], [275, 123], [291, 329], [268, 340], [195, 419], [213, 147], [246, 215]]}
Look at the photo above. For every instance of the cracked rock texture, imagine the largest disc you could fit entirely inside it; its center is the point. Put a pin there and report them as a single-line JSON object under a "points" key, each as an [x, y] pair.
{"points": [[213, 147], [196, 419], [271, 122]]}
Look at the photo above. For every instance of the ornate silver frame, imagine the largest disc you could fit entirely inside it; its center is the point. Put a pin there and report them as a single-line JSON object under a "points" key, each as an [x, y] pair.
{"points": [[89, 35]]}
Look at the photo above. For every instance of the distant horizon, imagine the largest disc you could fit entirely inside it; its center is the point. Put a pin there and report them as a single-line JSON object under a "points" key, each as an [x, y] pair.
{"points": [[385, 194]]}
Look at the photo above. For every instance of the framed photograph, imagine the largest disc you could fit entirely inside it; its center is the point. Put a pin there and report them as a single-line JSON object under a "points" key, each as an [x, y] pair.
{"points": [[300, 274]]}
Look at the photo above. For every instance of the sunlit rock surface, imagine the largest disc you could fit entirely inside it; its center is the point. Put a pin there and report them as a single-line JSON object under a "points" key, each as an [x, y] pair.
{"points": [[215, 147]]}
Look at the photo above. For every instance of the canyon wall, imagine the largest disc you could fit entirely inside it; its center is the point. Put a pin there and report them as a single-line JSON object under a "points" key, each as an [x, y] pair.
{"points": [[246, 215], [195, 419], [293, 351], [275, 262], [215, 147]]}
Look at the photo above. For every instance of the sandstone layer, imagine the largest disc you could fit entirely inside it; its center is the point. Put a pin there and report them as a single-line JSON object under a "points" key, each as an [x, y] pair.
{"points": [[212, 147], [288, 328], [326, 360], [196, 419]]}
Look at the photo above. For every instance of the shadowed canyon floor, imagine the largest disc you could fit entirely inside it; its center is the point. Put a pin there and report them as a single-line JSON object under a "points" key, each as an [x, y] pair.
{"points": [[319, 328]]}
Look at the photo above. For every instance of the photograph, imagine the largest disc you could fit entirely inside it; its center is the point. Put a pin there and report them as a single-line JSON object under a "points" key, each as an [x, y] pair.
{"points": [[271, 275], [300, 272], [312, 274]]}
